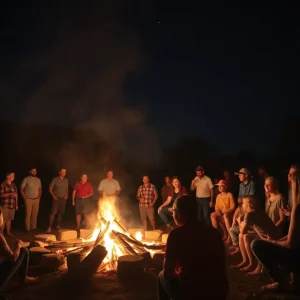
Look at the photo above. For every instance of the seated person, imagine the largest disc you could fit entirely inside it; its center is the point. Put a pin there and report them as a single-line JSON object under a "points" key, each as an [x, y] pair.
{"points": [[13, 261], [195, 261], [234, 230], [280, 257], [255, 219], [165, 209], [224, 209]]}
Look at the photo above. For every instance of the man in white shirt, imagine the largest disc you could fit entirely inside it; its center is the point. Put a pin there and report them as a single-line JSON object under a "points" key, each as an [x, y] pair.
{"points": [[109, 188], [204, 194]]}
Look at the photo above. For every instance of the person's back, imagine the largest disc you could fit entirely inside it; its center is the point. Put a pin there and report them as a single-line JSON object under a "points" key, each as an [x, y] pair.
{"points": [[200, 253]]}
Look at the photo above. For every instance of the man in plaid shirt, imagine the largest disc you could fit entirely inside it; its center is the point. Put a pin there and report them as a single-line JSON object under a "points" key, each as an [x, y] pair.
{"points": [[147, 195], [9, 201]]}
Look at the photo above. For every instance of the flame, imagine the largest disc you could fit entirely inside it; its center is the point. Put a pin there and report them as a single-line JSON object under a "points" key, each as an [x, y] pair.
{"points": [[138, 235]]}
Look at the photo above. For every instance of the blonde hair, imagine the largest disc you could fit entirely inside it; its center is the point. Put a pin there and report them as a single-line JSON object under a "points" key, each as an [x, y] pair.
{"points": [[296, 189], [275, 185]]}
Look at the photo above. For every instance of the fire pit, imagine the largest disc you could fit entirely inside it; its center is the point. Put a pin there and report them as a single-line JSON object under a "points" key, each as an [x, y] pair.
{"points": [[129, 251]]}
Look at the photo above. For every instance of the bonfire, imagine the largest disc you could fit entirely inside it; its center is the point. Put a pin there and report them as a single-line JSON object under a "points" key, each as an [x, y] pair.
{"points": [[117, 240]]}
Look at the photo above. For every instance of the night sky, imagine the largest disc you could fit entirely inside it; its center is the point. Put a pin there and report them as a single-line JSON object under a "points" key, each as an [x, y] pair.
{"points": [[154, 72]]}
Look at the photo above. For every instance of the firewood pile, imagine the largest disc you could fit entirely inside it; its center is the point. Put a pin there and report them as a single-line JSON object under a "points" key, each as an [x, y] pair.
{"points": [[109, 247]]}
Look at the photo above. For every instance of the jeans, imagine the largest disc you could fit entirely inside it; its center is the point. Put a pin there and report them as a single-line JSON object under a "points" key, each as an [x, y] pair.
{"points": [[164, 213], [276, 260], [203, 210], [167, 289], [8, 268], [234, 232]]}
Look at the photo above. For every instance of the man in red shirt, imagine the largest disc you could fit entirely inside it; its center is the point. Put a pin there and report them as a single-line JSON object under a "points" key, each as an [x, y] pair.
{"points": [[194, 265], [81, 198]]}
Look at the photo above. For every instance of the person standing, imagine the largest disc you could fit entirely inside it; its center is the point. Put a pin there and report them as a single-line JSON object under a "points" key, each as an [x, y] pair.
{"points": [[31, 191], [109, 189], [81, 198], [166, 189], [204, 194], [147, 196], [9, 201], [58, 189]]}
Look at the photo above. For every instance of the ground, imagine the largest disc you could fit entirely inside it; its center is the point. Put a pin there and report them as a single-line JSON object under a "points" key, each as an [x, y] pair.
{"points": [[108, 287]]}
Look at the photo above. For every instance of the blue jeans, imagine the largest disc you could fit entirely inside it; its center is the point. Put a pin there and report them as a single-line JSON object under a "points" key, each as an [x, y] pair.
{"points": [[164, 213], [203, 210], [8, 268], [167, 289]]}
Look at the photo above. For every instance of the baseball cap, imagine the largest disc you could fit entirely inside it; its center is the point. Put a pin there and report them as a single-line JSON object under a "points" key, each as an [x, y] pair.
{"points": [[222, 182], [199, 168], [242, 171]]}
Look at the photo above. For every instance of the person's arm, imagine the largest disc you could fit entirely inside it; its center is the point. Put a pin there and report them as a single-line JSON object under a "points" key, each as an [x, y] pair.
{"points": [[167, 202], [281, 216], [252, 189], [51, 189], [40, 191], [193, 185], [91, 191], [73, 195], [100, 188], [170, 261], [67, 189], [16, 196], [6, 252], [244, 227], [118, 191], [139, 195], [231, 204], [211, 187], [155, 197], [4, 195]]}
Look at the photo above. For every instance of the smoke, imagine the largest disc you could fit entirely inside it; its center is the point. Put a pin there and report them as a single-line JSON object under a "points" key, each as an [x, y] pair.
{"points": [[77, 79]]}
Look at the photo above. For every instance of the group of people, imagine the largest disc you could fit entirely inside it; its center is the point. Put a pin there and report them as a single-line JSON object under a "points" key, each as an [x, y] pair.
{"points": [[31, 192], [265, 231]]}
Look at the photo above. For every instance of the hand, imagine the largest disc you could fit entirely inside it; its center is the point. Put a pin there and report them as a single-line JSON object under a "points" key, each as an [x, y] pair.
{"points": [[211, 204], [234, 223], [285, 212], [14, 194], [218, 213], [159, 209], [19, 243], [170, 209], [17, 206], [73, 203], [268, 239], [151, 204], [55, 198]]}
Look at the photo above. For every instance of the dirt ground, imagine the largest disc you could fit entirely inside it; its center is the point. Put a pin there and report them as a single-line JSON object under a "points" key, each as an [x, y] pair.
{"points": [[107, 287]]}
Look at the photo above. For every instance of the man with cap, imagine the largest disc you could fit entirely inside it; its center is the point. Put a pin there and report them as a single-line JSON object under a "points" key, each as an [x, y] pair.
{"points": [[204, 194], [247, 186]]}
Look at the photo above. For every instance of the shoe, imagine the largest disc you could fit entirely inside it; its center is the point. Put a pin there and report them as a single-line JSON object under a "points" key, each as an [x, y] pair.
{"points": [[48, 230], [26, 230], [58, 228]]}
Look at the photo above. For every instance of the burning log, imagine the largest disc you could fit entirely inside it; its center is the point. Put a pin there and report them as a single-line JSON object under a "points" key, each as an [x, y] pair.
{"points": [[101, 235], [91, 262], [65, 245], [73, 262], [130, 266], [140, 244], [53, 262], [123, 243]]}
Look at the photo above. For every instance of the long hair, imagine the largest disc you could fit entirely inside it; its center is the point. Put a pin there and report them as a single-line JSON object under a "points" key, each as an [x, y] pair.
{"points": [[275, 186], [296, 188], [179, 185]]}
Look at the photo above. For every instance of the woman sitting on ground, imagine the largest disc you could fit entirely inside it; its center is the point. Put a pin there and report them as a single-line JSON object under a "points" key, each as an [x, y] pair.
{"points": [[280, 257], [165, 209], [13, 261], [224, 209]]}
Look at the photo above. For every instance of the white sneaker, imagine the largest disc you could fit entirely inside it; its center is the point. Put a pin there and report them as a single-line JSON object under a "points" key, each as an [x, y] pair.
{"points": [[48, 230]]}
